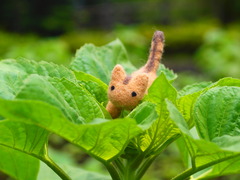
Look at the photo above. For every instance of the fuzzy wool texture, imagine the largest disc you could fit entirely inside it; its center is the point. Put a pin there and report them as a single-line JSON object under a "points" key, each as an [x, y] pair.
{"points": [[126, 92]]}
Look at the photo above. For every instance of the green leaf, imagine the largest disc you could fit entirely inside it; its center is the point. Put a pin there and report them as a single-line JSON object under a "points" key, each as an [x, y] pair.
{"points": [[170, 75], [103, 140], [22, 138], [193, 88], [216, 112], [18, 165], [227, 82], [187, 99], [94, 85], [77, 104], [204, 154], [99, 61], [160, 90], [224, 168], [189, 95], [229, 166], [183, 151], [145, 114], [13, 73], [162, 129]]}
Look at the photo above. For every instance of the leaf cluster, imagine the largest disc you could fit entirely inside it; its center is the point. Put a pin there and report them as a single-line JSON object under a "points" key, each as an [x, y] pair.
{"points": [[40, 98]]}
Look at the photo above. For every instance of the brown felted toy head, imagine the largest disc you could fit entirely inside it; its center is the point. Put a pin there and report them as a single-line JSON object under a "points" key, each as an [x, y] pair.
{"points": [[126, 91]]}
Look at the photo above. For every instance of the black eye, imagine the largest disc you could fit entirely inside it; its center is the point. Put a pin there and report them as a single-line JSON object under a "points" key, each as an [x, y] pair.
{"points": [[134, 94], [112, 88]]}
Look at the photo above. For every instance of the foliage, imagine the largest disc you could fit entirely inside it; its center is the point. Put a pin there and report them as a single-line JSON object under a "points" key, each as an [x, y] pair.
{"points": [[31, 47], [219, 55], [40, 98], [180, 38]]}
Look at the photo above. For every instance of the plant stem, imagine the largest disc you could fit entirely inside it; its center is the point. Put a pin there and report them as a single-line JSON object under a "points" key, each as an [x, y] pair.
{"points": [[56, 168], [144, 167], [118, 163], [112, 171], [149, 161], [192, 171]]}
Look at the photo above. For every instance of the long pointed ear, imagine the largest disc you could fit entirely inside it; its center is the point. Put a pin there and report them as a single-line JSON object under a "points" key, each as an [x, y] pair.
{"points": [[118, 73], [140, 82]]}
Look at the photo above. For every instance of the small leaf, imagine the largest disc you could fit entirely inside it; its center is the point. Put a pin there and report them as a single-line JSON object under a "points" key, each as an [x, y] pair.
{"points": [[161, 89], [94, 85], [170, 75], [145, 114]]}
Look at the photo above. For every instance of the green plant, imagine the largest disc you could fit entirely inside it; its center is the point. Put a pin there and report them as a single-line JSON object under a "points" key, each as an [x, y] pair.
{"points": [[219, 55], [32, 47], [39, 98]]}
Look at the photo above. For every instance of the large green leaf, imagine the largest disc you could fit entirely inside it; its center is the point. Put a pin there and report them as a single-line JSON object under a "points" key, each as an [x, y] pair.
{"points": [[77, 104], [103, 140], [216, 112], [162, 129], [17, 164], [205, 154], [13, 73], [99, 61], [189, 94], [186, 104], [18, 136]]}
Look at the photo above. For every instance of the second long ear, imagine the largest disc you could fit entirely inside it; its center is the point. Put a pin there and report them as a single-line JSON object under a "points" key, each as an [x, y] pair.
{"points": [[118, 73]]}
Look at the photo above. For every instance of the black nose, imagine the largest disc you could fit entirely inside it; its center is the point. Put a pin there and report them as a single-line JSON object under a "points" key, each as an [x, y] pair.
{"points": [[134, 94]]}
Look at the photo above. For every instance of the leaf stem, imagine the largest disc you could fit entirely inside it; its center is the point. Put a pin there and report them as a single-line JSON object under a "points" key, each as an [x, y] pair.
{"points": [[55, 168], [112, 171], [191, 171], [144, 167], [149, 161], [118, 163]]}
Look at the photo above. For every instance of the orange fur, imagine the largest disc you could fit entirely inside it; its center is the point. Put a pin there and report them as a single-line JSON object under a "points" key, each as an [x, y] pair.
{"points": [[125, 92]]}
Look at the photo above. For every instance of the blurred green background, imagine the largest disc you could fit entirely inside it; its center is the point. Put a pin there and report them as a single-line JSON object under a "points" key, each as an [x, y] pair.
{"points": [[202, 44]]}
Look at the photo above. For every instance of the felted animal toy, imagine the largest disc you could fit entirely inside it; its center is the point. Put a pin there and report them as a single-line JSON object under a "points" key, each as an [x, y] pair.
{"points": [[126, 91]]}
